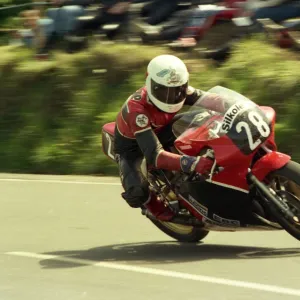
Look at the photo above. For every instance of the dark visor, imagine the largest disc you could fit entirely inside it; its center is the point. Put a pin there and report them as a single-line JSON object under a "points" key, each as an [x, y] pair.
{"points": [[168, 95]]}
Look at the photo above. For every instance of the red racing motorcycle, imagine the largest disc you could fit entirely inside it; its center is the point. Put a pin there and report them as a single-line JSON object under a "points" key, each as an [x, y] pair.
{"points": [[251, 186]]}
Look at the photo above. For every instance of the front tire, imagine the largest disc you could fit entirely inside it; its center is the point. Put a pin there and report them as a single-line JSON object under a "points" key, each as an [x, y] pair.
{"points": [[181, 233], [287, 179]]}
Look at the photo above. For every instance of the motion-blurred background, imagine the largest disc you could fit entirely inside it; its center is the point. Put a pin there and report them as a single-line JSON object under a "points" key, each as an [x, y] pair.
{"points": [[66, 67]]}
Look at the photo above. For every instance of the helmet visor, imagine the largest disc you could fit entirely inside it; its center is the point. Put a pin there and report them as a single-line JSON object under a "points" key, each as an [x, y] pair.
{"points": [[168, 95]]}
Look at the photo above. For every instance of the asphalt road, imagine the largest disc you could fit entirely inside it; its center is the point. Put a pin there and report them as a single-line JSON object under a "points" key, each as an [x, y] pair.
{"points": [[75, 238]]}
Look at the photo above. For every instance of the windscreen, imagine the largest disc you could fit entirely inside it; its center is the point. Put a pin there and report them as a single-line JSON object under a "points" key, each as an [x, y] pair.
{"points": [[222, 111]]}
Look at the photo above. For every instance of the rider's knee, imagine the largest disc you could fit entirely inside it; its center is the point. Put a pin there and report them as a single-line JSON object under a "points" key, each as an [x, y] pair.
{"points": [[136, 196]]}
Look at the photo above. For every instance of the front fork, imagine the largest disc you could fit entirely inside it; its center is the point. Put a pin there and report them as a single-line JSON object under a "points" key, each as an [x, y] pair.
{"points": [[270, 197]]}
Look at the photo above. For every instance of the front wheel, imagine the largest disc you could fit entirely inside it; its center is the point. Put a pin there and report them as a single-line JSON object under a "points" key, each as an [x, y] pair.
{"points": [[181, 233], [286, 183]]}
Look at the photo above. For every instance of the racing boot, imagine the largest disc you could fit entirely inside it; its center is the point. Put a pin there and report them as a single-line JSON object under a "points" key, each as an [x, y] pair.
{"points": [[157, 208]]}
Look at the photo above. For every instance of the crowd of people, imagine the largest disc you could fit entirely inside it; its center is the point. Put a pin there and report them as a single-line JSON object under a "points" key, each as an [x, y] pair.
{"points": [[75, 21]]}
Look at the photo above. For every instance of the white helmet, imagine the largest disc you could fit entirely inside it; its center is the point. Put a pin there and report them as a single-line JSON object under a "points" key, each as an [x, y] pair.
{"points": [[167, 82]]}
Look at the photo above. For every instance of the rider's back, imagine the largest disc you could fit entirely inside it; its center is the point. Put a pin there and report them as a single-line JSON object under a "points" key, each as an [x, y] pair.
{"points": [[137, 115]]}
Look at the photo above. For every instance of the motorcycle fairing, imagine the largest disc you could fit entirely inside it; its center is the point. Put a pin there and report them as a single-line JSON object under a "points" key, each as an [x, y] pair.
{"points": [[222, 205], [234, 135]]}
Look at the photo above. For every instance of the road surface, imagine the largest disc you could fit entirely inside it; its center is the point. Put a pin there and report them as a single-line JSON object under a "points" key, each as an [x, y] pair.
{"points": [[68, 237]]}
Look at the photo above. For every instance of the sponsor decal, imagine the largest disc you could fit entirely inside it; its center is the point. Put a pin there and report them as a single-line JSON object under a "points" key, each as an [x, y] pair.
{"points": [[185, 147], [173, 76], [215, 226], [211, 222], [137, 96], [227, 222], [184, 162], [199, 207], [141, 120], [231, 114], [163, 72]]}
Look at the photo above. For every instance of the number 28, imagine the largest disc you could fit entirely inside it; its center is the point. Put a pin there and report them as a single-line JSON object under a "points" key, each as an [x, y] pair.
{"points": [[261, 126]]}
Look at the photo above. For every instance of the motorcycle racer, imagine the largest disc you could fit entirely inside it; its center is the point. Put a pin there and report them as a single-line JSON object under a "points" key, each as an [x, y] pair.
{"points": [[143, 129]]}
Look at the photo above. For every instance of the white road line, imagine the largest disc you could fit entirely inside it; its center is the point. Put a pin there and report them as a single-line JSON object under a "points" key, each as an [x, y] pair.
{"points": [[59, 181], [166, 273]]}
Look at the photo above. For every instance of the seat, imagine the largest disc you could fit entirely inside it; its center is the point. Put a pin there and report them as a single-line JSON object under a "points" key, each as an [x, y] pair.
{"points": [[108, 136], [110, 128]]}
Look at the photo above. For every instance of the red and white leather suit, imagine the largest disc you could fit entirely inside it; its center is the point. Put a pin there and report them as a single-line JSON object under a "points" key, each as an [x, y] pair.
{"points": [[141, 131]]}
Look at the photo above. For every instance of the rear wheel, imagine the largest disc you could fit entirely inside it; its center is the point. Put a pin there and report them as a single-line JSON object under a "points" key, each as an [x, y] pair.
{"points": [[286, 183], [181, 233]]}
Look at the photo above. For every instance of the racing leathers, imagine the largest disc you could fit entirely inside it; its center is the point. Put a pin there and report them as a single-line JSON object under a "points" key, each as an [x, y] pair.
{"points": [[142, 130]]}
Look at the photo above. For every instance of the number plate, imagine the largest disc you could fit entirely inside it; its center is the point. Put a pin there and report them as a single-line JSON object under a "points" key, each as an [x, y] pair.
{"points": [[249, 130]]}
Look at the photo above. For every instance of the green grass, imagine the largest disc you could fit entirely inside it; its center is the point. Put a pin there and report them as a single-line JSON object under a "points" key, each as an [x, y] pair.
{"points": [[52, 112]]}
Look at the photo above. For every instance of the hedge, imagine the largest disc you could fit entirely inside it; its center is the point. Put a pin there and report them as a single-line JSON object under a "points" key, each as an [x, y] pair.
{"points": [[51, 112]]}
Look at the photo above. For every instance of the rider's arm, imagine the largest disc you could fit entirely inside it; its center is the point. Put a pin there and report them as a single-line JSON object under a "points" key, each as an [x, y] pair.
{"points": [[150, 144], [154, 152], [193, 95]]}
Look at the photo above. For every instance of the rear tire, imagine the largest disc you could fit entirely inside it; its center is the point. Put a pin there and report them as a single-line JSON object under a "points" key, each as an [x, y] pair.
{"points": [[290, 173], [181, 233]]}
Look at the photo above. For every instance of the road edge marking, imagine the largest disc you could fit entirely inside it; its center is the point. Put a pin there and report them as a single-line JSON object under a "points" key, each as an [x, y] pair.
{"points": [[165, 273], [59, 181]]}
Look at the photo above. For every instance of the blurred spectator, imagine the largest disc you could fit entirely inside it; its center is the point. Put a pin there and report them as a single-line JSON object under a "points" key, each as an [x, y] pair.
{"points": [[190, 23], [29, 20], [37, 30], [65, 14], [40, 28], [276, 10], [174, 28], [158, 11], [99, 12]]}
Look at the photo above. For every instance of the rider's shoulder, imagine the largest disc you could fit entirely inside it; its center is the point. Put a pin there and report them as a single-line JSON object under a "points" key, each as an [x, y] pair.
{"points": [[137, 101], [139, 95]]}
